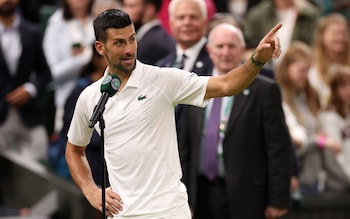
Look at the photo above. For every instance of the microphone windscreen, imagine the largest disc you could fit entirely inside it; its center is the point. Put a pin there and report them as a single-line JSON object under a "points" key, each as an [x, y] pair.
{"points": [[110, 84]]}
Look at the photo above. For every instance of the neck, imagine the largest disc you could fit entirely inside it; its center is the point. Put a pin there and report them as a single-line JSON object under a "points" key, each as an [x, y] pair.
{"points": [[283, 4], [81, 15], [334, 57], [7, 21]]}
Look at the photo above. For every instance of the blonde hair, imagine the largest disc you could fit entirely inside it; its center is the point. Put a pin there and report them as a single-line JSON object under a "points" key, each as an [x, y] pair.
{"points": [[297, 51], [319, 51]]}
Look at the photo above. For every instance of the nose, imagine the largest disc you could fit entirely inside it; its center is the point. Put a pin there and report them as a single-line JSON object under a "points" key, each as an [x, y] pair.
{"points": [[187, 20], [225, 50], [129, 47]]}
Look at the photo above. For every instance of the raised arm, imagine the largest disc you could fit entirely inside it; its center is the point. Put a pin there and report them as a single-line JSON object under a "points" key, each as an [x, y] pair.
{"points": [[238, 78]]}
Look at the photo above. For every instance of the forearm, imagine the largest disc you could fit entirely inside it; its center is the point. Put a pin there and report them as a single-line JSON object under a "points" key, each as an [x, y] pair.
{"points": [[239, 78], [80, 169], [232, 82]]}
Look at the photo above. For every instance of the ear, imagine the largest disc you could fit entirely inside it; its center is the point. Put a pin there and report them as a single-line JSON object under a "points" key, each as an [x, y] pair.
{"points": [[100, 48]]}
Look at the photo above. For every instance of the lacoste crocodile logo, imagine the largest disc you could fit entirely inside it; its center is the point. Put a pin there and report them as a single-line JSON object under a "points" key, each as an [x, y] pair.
{"points": [[142, 97]]}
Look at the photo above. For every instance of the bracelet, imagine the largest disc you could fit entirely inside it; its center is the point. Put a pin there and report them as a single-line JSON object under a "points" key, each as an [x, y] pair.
{"points": [[321, 141], [259, 64]]}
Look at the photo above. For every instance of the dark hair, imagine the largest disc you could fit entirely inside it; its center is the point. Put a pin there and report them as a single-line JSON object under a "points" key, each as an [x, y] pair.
{"points": [[157, 4], [111, 18], [339, 76], [67, 11]]}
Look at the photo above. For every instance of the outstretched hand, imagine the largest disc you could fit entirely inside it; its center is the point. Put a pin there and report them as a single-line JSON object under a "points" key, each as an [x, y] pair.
{"points": [[269, 47]]}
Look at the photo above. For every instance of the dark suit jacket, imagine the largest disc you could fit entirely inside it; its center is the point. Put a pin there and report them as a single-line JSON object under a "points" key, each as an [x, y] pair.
{"points": [[32, 61], [202, 65], [256, 148], [154, 45]]}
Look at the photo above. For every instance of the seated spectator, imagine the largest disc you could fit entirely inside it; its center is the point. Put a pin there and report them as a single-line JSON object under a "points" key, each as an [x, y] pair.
{"points": [[67, 45], [335, 122], [331, 47], [301, 107]]}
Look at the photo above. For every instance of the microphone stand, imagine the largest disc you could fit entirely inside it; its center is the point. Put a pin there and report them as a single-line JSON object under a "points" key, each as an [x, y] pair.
{"points": [[103, 184]]}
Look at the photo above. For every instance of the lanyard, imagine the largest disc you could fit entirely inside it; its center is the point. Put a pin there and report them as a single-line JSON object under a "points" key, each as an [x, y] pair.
{"points": [[223, 124]]}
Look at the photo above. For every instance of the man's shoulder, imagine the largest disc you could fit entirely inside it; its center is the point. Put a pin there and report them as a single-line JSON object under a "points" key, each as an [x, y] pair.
{"points": [[167, 60]]}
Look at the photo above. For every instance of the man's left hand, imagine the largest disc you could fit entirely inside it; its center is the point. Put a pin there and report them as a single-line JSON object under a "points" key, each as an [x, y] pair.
{"points": [[269, 47]]}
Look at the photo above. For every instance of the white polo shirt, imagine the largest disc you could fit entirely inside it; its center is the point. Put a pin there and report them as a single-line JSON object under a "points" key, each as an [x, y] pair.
{"points": [[141, 149]]}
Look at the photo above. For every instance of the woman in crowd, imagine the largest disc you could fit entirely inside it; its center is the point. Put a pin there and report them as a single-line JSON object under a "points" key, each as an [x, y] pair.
{"points": [[335, 121], [331, 47], [301, 106], [67, 44]]}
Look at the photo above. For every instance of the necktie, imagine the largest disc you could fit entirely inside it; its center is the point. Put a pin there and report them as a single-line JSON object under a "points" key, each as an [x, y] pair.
{"points": [[181, 64], [211, 140]]}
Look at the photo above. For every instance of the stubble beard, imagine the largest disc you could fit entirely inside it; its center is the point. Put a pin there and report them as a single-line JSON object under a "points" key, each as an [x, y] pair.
{"points": [[8, 9], [124, 69]]}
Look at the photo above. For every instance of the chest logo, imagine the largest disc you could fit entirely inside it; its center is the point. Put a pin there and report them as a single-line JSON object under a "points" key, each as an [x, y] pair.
{"points": [[141, 97]]}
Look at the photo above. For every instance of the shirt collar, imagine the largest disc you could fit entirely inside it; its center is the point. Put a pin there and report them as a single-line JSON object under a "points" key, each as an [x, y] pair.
{"points": [[192, 51]]}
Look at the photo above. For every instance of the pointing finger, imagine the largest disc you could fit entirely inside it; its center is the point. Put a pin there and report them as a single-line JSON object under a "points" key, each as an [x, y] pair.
{"points": [[274, 30]]}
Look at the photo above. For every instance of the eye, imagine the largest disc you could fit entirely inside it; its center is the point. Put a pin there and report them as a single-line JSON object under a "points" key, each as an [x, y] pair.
{"points": [[119, 42], [132, 39]]}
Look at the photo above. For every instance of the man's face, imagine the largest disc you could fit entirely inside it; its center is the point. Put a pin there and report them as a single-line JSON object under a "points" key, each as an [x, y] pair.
{"points": [[119, 49], [8, 7], [187, 24], [135, 9], [78, 5], [225, 49]]}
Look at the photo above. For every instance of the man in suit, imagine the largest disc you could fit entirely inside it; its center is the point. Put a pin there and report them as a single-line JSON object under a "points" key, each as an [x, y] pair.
{"points": [[251, 169], [153, 41], [24, 75], [188, 24]]}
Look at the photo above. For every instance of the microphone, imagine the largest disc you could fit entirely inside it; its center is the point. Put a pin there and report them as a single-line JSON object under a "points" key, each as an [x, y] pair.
{"points": [[109, 87]]}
